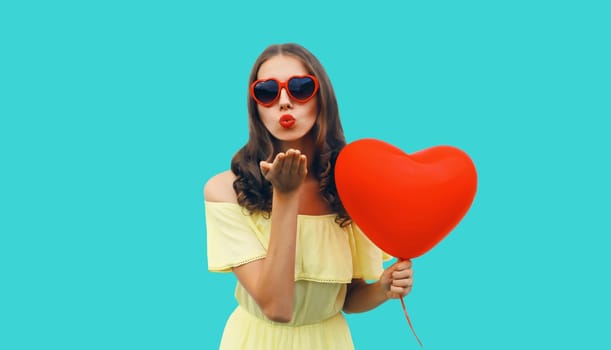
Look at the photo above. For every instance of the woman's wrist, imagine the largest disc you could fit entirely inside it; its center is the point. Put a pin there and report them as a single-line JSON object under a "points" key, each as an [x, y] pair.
{"points": [[290, 198], [382, 290]]}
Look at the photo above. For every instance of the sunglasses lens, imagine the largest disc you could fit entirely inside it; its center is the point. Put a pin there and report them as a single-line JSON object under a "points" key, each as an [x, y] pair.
{"points": [[266, 91], [302, 88]]}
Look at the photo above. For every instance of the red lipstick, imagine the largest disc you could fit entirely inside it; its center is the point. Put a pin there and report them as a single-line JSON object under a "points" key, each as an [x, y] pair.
{"points": [[287, 121]]}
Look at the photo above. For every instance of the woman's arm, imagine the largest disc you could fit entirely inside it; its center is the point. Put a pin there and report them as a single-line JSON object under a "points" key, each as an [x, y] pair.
{"points": [[396, 281], [271, 280]]}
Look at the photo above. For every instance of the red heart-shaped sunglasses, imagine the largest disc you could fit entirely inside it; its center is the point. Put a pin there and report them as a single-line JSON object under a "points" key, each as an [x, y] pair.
{"points": [[300, 88]]}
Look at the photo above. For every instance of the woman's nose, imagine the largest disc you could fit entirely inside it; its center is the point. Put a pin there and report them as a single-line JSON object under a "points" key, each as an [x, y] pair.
{"points": [[284, 101]]}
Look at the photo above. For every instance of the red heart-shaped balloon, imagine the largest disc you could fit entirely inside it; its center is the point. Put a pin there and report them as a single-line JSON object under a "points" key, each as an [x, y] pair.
{"points": [[405, 203]]}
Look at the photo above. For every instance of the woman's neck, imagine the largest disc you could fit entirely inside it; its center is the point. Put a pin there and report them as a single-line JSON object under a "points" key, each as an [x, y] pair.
{"points": [[305, 145]]}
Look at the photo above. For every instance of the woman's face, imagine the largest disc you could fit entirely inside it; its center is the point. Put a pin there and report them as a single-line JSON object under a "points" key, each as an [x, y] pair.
{"points": [[287, 120]]}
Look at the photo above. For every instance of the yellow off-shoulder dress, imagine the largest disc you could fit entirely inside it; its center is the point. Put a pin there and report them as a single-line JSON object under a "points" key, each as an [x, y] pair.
{"points": [[327, 258]]}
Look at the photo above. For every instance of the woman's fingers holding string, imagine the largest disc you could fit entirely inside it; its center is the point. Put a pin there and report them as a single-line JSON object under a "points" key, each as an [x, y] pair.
{"points": [[402, 270]]}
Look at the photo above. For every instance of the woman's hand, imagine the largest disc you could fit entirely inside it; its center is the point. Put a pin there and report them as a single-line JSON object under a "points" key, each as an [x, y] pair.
{"points": [[287, 172], [397, 279]]}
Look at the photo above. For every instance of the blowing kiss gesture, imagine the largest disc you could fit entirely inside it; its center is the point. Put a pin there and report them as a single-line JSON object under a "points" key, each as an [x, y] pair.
{"points": [[287, 172]]}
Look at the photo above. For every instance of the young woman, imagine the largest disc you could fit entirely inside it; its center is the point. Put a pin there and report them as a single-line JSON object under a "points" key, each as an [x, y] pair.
{"points": [[276, 221]]}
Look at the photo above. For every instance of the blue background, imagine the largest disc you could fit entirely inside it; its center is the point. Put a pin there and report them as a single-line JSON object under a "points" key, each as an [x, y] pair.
{"points": [[114, 114]]}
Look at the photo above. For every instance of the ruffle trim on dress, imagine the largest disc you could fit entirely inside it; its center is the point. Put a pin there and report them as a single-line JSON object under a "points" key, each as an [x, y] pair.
{"points": [[325, 252]]}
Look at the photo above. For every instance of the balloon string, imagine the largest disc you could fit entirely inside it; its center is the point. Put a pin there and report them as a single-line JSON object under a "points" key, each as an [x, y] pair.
{"points": [[410, 322]]}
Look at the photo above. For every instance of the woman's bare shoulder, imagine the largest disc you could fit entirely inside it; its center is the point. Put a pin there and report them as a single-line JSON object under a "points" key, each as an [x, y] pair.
{"points": [[219, 188]]}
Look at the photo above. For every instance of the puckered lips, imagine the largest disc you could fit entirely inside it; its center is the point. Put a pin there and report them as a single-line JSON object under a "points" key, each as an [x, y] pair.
{"points": [[287, 121]]}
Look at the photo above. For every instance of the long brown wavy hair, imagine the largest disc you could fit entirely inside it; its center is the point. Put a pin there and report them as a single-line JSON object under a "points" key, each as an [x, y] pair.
{"points": [[254, 192]]}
